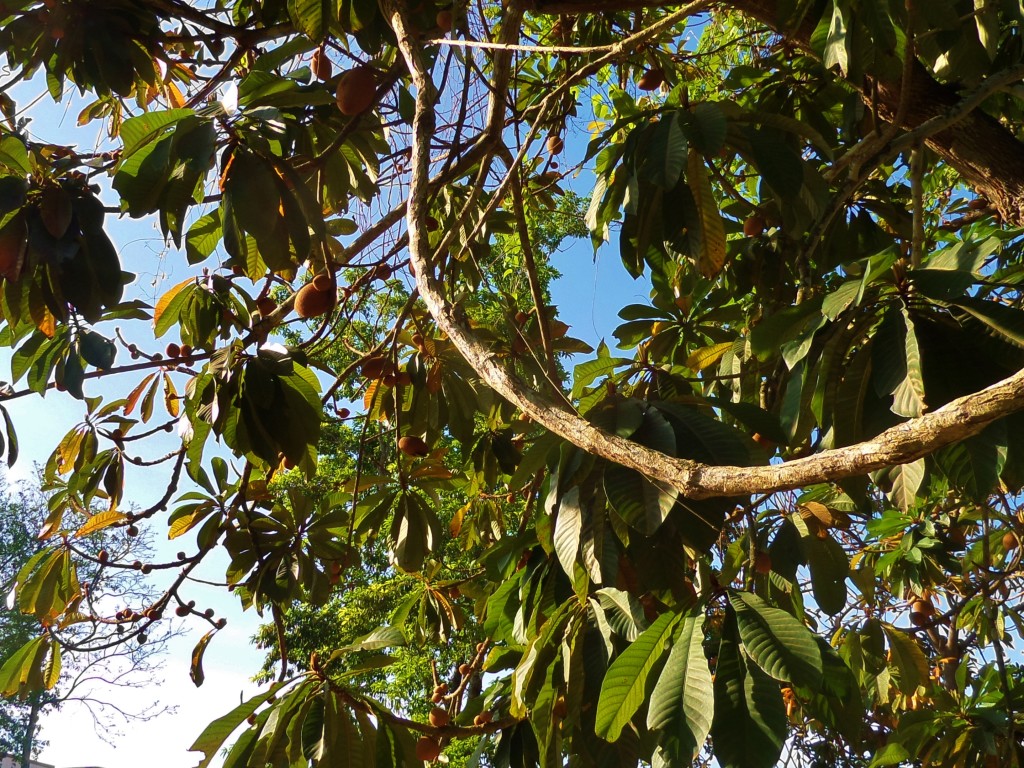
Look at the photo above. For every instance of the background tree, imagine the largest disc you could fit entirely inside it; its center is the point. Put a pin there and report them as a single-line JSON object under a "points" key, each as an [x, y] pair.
{"points": [[781, 521], [84, 682]]}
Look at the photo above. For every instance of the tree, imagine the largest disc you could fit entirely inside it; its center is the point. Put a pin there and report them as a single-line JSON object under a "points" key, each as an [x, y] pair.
{"points": [[782, 520], [89, 681]]}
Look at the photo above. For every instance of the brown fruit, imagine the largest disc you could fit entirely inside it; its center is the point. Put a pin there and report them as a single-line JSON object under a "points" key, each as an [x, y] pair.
{"points": [[147, 568], [266, 305], [417, 341], [651, 79], [437, 697], [251, 719], [439, 718], [411, 445], [433, 224], [978, 204], [389, 379], [444, 21], [172, 350], [357, 90], [311, 302], [483, 718], [427, 749], [186, 350], [560, 708], [321, 65], [403, 379], [465, 669], [521, 318], [181, 610], [1010, 541], [137, 565], [754, 226], [132, 530], [344, 413], [918, 619], [373, 367], [322, 282], [924, 607], [555, 144], [763, 563]]}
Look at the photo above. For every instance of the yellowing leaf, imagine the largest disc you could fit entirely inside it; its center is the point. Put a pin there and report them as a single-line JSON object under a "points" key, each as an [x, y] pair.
{"points": [[704, 357], [170, 397], [174, 97], [167, 298], [711, 257], [99, 521]]}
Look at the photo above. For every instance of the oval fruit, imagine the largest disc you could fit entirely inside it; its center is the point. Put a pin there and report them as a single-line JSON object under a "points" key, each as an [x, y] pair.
{"points": [[427, 749], [555, 144], [266, 306], [439, 717], [444, 21], [754, 226], [651, 79], [321, 65], [357, 90], [322, 282], [311, 302], [1010, 541], [411, 445]]}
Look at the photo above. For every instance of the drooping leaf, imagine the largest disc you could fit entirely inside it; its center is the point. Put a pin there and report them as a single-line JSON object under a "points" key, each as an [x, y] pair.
{"points": [[778, 643]]}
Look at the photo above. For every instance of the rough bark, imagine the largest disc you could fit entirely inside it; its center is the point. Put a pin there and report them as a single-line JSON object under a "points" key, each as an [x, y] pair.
{"points": [[986, 154], [909, 441]]}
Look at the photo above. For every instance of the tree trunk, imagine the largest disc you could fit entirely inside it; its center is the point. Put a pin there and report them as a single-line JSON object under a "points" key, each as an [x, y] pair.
{"points": [[30, 732]]}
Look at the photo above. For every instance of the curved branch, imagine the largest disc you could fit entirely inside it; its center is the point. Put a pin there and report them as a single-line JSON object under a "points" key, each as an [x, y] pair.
{"points": [[906, 442]]}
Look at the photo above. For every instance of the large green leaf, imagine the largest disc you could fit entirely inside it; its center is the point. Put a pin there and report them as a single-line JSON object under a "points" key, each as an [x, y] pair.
{"points": [[627, 682], [908, 658], [749, 725], [214, 735], [683, 699], [775, 641]]}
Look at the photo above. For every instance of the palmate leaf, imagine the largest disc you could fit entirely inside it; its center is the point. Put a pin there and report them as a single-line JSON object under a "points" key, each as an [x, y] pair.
{"points": [[749, 724], [778, 643], [683, 698], [627, 681]]}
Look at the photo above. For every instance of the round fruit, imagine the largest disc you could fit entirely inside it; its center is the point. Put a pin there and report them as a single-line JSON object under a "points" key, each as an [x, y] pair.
{"points": [[465, 669], [373, 367], [763, 563], [321, 65], [181, 610], [266, 305], [311, 302], [343, 413], [521, 318], [918, 619], [172, 350], [439, 718], [437, 697], [137, 565], [186, 350], [147, 568], [427, 749], [411, 445], [483, 718], [754, 226], [651, 79], [1010, 541], [555, 144], [322, 282], [924, 607], [444, 21], [357, 90], [132, 530]]}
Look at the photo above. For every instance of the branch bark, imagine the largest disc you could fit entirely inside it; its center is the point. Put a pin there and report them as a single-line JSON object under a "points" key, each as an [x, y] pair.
{"points": [[904, 443]]}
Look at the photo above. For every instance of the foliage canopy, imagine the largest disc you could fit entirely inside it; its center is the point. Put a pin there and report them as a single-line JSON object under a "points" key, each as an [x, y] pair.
{"points": [[781, 518]]}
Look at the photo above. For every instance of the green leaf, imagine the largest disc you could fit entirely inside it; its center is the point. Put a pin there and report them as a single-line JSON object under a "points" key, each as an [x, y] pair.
{"points": [[214, 735], [749, 724], [568, 528], [908, 658], [778, 643], [625, 685], [836, 51], [137, 131], [683, 698], [14, 155]]}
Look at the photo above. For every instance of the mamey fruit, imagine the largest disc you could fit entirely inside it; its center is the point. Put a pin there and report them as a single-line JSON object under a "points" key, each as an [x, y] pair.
{"points": [[763, 563], [312, 302], [427, 749], [483, 718], [439, 717], [555, 144], [1010, 541], [444, 21], [322, 282], [266, 305], [411, 445], [357, 90], [321, 65], [172, 350], [651, 79], [754, 226]]}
